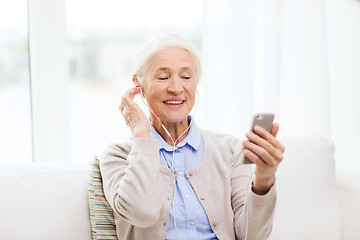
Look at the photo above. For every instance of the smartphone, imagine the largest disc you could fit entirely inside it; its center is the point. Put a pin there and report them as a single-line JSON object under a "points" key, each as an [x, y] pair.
{"points": [[264, 120]]}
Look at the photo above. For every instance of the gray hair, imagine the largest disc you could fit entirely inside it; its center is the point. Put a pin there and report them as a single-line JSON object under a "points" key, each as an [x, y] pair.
{"points": [[154, 46]]}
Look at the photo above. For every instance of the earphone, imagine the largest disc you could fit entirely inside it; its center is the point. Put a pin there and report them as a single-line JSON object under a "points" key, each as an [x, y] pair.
{"points": [[173, 157], [174, 142], [162, 125]]}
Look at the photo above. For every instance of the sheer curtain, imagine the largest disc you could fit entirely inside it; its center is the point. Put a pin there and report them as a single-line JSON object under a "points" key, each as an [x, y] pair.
{"points": [[299, 59]]}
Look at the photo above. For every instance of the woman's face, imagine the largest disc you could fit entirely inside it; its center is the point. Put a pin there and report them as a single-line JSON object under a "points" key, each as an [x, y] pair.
{"points": [[170, 84]]}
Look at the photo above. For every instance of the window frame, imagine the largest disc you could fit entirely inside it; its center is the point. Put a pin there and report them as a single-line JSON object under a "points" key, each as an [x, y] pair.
{"points": [[48, 80]]}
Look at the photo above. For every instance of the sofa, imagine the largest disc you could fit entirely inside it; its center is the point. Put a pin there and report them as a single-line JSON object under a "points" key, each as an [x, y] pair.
{"points": [[50, 200]]}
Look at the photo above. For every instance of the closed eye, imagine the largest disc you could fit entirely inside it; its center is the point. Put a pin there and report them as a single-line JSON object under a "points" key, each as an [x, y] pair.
{"points": [[186, 76], [163, 76]]}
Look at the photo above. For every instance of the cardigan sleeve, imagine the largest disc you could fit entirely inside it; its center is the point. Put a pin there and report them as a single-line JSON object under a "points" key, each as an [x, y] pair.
{"points": [[131, 181], [253, 214]]}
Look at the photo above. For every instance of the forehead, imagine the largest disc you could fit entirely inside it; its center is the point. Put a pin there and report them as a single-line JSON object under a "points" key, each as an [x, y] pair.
{"points": [[172, 58]]}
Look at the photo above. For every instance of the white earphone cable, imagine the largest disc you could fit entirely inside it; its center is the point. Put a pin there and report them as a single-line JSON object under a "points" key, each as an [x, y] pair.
{"points": [[174, 142], [172, 164]]}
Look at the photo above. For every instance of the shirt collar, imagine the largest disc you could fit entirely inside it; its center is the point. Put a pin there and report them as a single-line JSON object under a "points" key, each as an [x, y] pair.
{"points": [[193, 137]]}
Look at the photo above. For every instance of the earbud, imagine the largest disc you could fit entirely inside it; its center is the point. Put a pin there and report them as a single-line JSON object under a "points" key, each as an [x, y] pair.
{"points": [[137, 84], [141, 92]]}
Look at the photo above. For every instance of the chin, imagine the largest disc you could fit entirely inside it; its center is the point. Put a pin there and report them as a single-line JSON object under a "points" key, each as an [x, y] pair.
{"points": [[174, 118]]}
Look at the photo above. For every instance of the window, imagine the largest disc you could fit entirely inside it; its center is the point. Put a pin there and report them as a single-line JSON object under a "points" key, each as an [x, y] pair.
{"points": [[15, 113], [103, 39], [68, 108]]}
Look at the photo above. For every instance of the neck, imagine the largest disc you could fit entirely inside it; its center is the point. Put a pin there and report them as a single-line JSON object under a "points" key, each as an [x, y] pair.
{"points": [[175, 129]]}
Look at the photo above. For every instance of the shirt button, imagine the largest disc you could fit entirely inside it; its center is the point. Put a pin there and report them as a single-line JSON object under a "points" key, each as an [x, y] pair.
{"points": [[202, 198], [190, 174], [187, 196], [191, 223]]}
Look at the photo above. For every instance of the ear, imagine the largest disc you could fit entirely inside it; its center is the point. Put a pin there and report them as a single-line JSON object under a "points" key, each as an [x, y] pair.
{"points": [[136, 81], [138, 84]]}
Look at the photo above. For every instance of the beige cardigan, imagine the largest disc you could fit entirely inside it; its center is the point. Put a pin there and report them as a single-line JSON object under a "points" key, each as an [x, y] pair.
{"points": [[139, 189]]}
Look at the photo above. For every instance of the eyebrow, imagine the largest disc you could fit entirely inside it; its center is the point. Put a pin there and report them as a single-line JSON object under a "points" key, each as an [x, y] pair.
{"points": [[162, 69], [165, 69]]}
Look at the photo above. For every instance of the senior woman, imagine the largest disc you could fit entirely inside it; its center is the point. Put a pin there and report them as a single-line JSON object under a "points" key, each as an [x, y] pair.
{"points": [[173, 180]]}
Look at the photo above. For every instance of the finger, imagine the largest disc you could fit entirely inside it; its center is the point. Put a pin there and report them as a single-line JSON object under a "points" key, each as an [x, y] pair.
{"points": [[254, 158], [261, 153], [252, 137], [272, 150], [275, 129], [130, 93], [121, 106], [127, 116], [129, 103], [269, 137]]}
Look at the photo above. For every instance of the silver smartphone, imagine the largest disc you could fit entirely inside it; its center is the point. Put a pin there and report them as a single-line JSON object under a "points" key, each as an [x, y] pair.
{"points": [[264, 120]]}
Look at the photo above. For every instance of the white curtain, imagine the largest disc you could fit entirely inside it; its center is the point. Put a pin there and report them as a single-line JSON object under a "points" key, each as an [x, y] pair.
{"points": [[297, 58]]}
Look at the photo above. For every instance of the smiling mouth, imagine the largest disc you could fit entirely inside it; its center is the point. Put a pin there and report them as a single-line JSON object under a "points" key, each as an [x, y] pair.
{"points": [[174, 102]]}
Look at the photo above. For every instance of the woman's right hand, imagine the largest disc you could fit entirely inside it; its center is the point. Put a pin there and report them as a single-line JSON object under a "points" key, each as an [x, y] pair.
{"points": [[134, 117]]}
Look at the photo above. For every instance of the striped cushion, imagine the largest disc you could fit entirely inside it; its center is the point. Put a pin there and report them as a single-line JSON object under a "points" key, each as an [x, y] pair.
{"points": [[101, 214]]}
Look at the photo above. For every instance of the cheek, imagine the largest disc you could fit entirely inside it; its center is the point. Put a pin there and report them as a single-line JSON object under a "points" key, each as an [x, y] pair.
{"points": [[192, 92], [146, 90], [152, 96]]}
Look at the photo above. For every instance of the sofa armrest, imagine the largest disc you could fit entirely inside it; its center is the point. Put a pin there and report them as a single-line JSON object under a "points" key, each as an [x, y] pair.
{"points": [[308, 205], [44, 201], [349, 192]]}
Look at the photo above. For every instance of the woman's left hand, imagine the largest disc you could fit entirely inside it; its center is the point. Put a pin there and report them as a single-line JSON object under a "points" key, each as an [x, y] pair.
{"points": [[266, 152]]}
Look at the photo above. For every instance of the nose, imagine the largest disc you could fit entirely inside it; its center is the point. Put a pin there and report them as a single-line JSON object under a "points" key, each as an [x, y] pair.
{"points": [[175, 85]]}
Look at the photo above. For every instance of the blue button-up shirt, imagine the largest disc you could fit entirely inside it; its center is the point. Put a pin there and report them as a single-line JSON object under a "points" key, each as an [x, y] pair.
{"points": [[190, 217]]}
